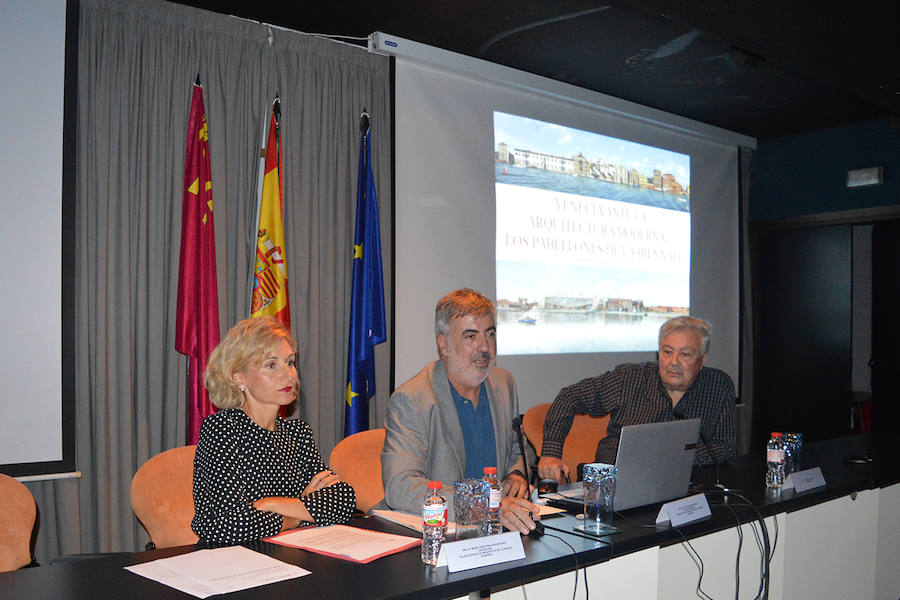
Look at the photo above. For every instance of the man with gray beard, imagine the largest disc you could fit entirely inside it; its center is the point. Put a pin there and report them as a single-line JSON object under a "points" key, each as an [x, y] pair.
{"points": [[455, 416]]}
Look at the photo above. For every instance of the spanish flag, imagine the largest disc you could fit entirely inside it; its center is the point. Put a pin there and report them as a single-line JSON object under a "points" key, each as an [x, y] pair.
{"points": [[197, 312], [270, 291]]}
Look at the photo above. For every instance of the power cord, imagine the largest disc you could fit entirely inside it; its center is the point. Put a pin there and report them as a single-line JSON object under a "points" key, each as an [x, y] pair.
{"points": [[737, 560], [575, 556], [695, 556], [766, 553]]}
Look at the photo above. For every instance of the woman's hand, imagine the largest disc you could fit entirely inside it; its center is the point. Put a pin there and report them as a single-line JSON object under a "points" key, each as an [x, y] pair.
{"points": [[292, 509], [319, 481]]}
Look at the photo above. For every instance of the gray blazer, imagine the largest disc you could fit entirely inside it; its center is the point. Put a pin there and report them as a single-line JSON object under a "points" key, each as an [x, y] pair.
{"points": [[424, 441]]}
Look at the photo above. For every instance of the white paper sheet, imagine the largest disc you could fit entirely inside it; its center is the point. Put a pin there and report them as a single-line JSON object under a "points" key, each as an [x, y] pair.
{"points": [[218, 571]]}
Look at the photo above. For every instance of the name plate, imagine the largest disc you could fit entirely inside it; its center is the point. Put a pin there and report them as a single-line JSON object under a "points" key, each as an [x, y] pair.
{"points": [[686, 510], [805, 480], [482, 551]]}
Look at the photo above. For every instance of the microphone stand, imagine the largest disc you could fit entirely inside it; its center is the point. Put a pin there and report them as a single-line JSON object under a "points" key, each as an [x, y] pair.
{"points": [[700, 487], [517, 426]]}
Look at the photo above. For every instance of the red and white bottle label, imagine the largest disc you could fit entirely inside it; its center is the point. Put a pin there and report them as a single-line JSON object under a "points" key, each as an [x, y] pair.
{"points": [[435, 516]]}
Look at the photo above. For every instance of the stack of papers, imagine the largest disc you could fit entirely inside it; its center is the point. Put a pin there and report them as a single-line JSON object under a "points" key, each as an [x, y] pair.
{"points": [[348, 543], [205, 573], [414, 522], [409, 520]]}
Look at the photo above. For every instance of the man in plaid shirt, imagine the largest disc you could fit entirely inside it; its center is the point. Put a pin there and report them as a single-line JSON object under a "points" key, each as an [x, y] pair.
{"points": [[677, 386]]}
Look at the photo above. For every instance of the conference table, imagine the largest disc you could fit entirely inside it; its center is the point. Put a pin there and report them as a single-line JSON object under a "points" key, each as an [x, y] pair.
{"points": [[836, 541]]}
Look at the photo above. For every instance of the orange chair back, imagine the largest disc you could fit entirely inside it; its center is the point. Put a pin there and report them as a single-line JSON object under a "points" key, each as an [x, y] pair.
{"points": [[16, 524], [357, 460], [162, 497], [581, 443]]}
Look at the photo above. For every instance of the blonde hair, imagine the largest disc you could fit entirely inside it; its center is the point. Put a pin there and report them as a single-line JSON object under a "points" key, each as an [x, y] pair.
{"points": [[247, 343]]}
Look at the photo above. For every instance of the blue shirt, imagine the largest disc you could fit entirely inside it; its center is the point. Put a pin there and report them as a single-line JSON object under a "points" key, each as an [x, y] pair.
{"points": [[478, 432]]}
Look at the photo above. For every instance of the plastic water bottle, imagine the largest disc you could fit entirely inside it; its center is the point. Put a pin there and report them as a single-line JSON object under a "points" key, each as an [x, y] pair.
{"points": [[775, 460], [789, 459], [434, 523], [794, 442], [492, 525]]}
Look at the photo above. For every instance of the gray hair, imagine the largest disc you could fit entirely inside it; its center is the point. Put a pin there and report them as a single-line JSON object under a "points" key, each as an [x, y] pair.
{"points": [[704, 328], [460, 303]]}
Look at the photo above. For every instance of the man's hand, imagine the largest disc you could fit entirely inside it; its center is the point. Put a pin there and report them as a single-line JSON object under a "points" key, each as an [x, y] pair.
{"points": [[515, 485], [518, 514], [550, 467]]}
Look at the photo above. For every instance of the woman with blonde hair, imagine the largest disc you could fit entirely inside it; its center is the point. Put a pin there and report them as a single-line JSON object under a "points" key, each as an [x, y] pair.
{"points": [[256, 474]]}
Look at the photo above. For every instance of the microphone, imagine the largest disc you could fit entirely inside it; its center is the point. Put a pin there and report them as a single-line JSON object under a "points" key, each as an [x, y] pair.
{"points": [[538, 530], [679, 414]]}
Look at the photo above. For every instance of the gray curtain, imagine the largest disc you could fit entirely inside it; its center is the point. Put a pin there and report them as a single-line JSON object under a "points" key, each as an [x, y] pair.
{"points": [[136, 65]]}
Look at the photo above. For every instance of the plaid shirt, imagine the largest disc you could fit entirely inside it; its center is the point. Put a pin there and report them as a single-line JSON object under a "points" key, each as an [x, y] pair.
{"points": [[634, 394]]}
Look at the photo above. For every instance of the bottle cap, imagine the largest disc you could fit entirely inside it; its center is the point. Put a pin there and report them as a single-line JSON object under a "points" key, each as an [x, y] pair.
{"points": [[490, 470], [776, 434], [435, 485]]}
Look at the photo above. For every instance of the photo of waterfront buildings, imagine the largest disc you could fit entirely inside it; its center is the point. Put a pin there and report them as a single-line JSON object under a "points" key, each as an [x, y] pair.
{"points": [[580, 267]]}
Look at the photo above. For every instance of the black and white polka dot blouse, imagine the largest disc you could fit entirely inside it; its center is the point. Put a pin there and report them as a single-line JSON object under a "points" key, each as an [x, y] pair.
{"points": [[238, 462]]}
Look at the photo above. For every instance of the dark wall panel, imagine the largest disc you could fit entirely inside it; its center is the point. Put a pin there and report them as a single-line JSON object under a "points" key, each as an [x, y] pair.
{"points": [[803, 292], [885, 326]]}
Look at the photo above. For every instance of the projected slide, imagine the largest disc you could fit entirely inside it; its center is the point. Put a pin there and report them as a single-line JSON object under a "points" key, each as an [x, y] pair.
{"points": [[593, 239]]}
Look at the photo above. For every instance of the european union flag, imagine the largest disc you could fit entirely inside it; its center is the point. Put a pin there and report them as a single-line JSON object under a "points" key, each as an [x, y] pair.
{"points": [[367, 322]]}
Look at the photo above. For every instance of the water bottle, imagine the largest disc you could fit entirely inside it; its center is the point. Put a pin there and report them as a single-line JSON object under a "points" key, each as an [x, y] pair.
{"points": [[434, 523], [789, 459], [775, 460], [492, 524], [794, 441]]}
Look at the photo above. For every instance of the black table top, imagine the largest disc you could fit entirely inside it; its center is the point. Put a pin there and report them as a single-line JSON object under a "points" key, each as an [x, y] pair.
{"points": [[403, 575]]}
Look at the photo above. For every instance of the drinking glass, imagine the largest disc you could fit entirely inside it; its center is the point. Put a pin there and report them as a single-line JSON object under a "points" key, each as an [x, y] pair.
{"points": [[471, 500], [599, 481]]}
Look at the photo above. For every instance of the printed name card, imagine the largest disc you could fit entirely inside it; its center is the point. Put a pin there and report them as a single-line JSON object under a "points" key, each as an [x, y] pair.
{"points": [[803, 481], [483, 551], [686, 510]]}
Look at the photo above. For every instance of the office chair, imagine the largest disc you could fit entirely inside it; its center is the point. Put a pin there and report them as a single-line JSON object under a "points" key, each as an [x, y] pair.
{"points": [[357, 460], [581, 443], [162, 497], [16, 524]]}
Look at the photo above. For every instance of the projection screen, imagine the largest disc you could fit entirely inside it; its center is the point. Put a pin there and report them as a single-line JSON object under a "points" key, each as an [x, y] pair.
{"points": [[446, 212]]}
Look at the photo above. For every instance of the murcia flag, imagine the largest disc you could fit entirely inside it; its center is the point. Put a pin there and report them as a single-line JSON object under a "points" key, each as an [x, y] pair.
{"points": [[197, 313], [270, 291], [367, 321]]}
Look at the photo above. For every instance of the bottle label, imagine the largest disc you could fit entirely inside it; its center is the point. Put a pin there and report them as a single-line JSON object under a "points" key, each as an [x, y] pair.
{"points": [[435, 516], [775, 456], [495, 498]]}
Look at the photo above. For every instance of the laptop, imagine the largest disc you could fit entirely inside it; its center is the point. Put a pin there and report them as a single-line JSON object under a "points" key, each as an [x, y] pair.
{"points": [[654, 464]]}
